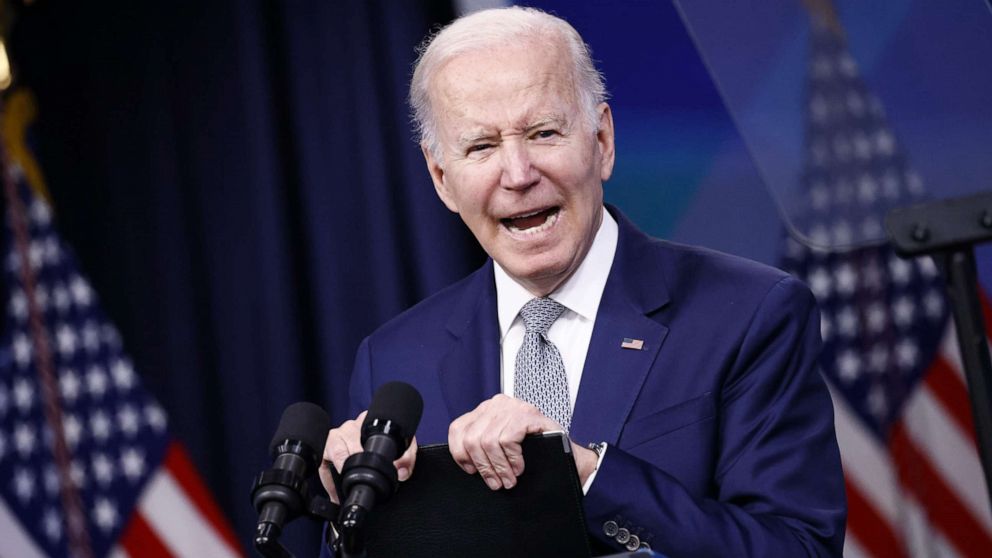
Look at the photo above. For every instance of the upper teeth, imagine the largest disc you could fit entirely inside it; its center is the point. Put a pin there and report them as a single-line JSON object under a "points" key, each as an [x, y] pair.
{"points": [[549, 222]]}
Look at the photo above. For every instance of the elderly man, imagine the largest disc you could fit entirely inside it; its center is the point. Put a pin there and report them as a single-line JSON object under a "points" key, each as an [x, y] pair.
{"points": [[685, 378]]}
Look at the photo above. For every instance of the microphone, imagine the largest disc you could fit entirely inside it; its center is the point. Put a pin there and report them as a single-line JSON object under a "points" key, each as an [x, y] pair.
{"points": [[369, 477], [280, 494]]}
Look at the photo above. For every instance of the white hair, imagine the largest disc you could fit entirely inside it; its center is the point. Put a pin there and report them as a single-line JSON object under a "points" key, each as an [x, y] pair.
{"points": [[490, 28]]}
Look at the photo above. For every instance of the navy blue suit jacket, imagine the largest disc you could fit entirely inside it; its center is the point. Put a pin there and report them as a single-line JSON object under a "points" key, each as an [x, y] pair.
{"points": [[720, 429]]}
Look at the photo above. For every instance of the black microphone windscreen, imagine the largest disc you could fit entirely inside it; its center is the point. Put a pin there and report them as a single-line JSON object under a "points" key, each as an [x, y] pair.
{"points": [[398, 402], [303, 422]]}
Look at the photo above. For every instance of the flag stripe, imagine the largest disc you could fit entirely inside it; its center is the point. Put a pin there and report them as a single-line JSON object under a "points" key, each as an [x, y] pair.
{"points": [[138, 539], [177, 521], [944, 509], [866, 462], [178, 463], [14, 541], [946, 385], [951, 453], [871, 530]]}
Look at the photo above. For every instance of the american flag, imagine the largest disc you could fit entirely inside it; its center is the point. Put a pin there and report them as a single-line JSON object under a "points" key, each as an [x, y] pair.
{"points": [[87, 466], [914, 481]]}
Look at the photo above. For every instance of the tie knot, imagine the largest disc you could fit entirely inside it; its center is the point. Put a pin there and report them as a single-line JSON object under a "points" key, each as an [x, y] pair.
{"points": [[539, 314]]}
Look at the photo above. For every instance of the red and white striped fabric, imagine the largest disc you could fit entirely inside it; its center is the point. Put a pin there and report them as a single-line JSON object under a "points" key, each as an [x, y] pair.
{"points": [[922, 494]]}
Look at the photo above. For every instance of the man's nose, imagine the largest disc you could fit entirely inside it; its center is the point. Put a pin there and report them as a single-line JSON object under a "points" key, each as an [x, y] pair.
{"points": [[518, 169]]}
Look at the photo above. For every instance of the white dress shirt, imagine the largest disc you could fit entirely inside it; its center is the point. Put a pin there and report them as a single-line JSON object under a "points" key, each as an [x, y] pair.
{"points": [[572, 331]]}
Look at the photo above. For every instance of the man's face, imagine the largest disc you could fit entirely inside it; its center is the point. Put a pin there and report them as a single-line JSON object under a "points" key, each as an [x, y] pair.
{"points": [[520, 164]]}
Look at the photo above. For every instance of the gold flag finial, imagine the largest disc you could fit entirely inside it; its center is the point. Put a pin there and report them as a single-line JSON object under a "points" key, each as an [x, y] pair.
{"points": [[824, 12]]}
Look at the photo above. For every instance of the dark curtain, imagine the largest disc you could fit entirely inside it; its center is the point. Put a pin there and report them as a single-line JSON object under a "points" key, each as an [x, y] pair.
{"points": [[239, 180]]}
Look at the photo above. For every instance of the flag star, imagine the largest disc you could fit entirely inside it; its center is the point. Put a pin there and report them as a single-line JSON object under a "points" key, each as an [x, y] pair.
{"points": [[36, 253], [878, 358], [41, 297], [23, 394], [890, 184], [871, 228], [847, 322], [61, 298], [18, 304], [819, 236], [52, 525], [133, 464], [900, 270], [91, 336], [96, 381], [903, 311], [25, 439], [819, 196], [52, 251], [877, 317], [23, 350], [818, 109], [907, 353], [23, 484], [933, 304], [128, 420], [820, 283], [842, 233], [855, 104], [69, 385], [847, 65], [155, 417], [926, 266], [100, 426], [77, 472], [878, 403], [110, 337], [846, 279], [123, 374], [103, 469], [914, 183], [848, 366], [819, 153], [82, 294], [51, 480], [105, 514], [73, 430], [862, 146], [66, 339], [867, 188], [842, 147], [39, 213]]}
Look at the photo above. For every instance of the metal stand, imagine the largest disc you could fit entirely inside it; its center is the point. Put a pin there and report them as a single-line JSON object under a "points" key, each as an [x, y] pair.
{"points": [[948, 231]]}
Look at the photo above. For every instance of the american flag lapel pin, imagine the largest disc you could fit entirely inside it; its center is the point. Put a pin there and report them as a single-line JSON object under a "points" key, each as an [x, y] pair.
{"points": [[628, 343]]}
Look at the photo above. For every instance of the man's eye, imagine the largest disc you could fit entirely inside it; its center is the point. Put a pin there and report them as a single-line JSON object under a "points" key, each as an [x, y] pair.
{"points": [[545, 134], [479, 147]]}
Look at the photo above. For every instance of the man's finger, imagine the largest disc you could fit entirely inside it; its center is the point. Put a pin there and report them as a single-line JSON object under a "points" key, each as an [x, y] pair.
{"points": [[404, 465]]}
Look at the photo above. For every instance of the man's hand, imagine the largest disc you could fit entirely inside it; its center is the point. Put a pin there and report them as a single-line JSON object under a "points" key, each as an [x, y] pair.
{"points": [[346, 440], [487, 440]]}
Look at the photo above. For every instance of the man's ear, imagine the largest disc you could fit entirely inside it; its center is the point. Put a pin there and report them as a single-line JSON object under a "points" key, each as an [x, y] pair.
{"points": [[436, 171], [604, 140]]}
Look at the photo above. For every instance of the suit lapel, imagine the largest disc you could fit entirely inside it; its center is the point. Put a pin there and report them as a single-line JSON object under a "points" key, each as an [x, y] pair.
{"points": [[613, 375], [469, 372]]}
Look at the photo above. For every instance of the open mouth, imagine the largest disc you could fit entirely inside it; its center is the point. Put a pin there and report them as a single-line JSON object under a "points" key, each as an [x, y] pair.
{"points": [[533, 222]]}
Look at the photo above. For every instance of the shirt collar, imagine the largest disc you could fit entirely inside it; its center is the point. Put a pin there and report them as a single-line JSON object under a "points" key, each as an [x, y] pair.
{"points": [[582, 291]]}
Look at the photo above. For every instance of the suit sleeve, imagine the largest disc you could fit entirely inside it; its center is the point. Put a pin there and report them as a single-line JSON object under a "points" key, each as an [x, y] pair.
{"points": [[778, 487]]}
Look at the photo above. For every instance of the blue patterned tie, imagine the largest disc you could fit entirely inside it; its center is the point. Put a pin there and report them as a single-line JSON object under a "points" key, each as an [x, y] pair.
{"points": [[539, 375]]}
